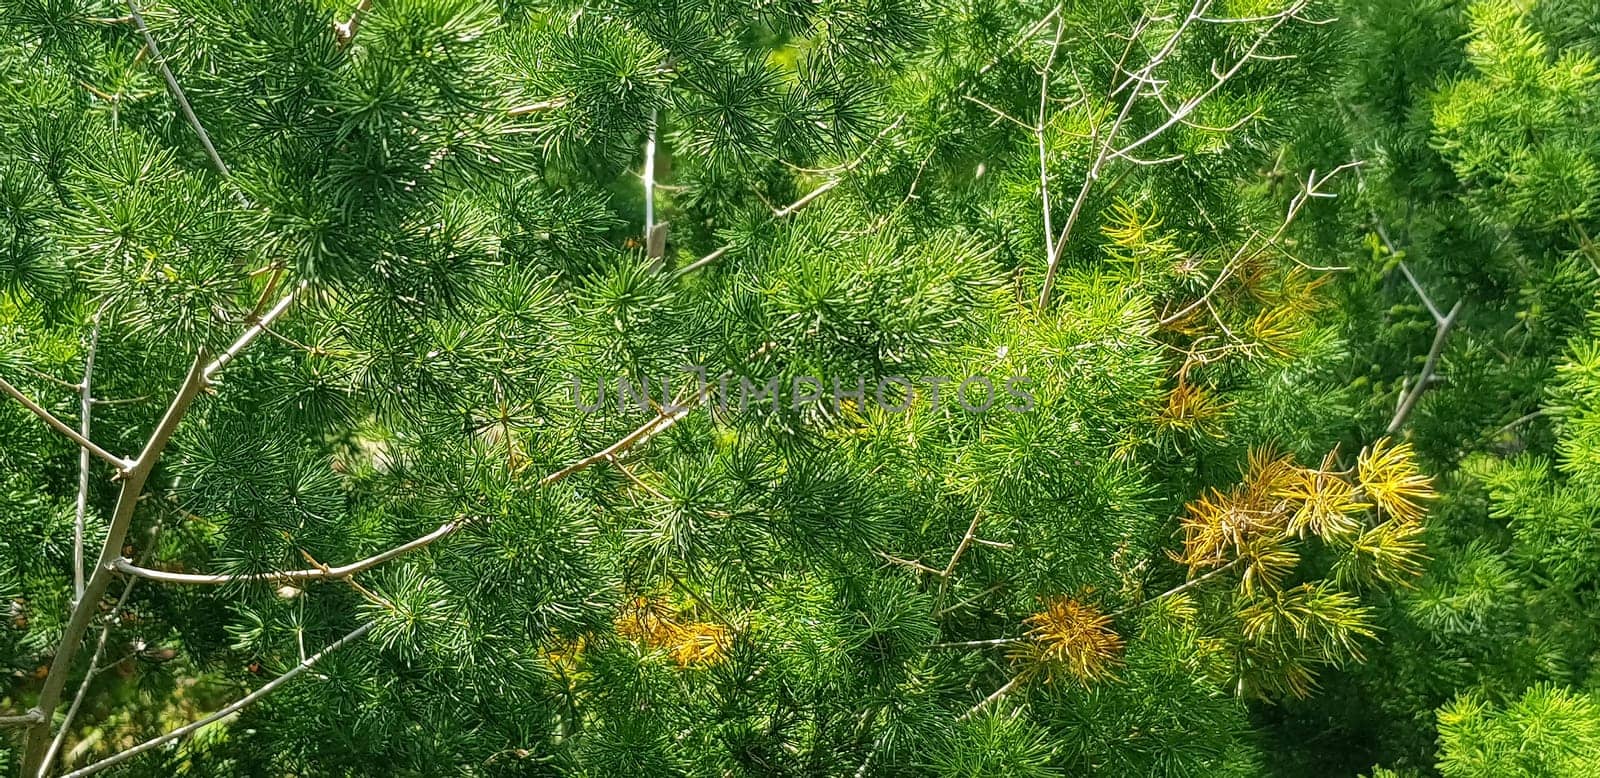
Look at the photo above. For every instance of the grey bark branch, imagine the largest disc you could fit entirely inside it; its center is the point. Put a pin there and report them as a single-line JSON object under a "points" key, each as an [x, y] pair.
{"points": [[61, 427], [1425, 378], [225, 712], [177, 91], [133, 481], [88, 678], [85, 413]]}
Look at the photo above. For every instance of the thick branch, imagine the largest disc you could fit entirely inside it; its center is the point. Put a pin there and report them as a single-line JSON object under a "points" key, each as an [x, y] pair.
{"points": [[83, 611]]}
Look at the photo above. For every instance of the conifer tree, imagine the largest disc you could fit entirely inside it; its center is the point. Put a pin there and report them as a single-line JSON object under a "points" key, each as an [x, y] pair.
{"points": [[306, 307]]}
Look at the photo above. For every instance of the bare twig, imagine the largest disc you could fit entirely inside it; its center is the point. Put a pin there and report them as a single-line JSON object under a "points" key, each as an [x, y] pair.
{"points": [[1058, 246], [1179, 589], [1038, 131], [127, 567], [88, 678], [177, 91], [345, 31], [251, 333], [979, 643], [1425, 378], [85, 412], [226, 711], [1438, 318], [650, 177], [1189, 105], [49, 418], [911, 563], [985, 702]]}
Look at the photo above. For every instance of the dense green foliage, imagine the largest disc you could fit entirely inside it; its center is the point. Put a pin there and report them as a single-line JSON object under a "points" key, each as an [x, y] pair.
{"points": [[1286, 311]]}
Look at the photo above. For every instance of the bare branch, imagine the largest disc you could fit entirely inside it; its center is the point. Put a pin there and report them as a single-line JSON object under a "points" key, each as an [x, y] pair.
{"points": [[650, 178], [345, 31], [88, 678], [1058, 247], [1425, 378], [127, 567], [228, 710], [979, 643], [1038, 131], [177, 91], [806, 200], [133, 481], [49, 418], [985, 702], [85, 412], [1220, 78], [1179, 589], [253, 332]]}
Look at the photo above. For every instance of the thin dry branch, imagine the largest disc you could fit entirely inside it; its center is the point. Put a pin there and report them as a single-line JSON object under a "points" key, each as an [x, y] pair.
{"points": [[122, 465], [88, 678], [1409, 400], [177, 91], [1143, 75], [226, 711], [85, 413], [987, 701]]}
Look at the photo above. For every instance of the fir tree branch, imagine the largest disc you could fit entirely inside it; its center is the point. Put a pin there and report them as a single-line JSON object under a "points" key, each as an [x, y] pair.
{"points": [[226, 711], [122, 465], [660, 423], [663, 421], [177, 91]]}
